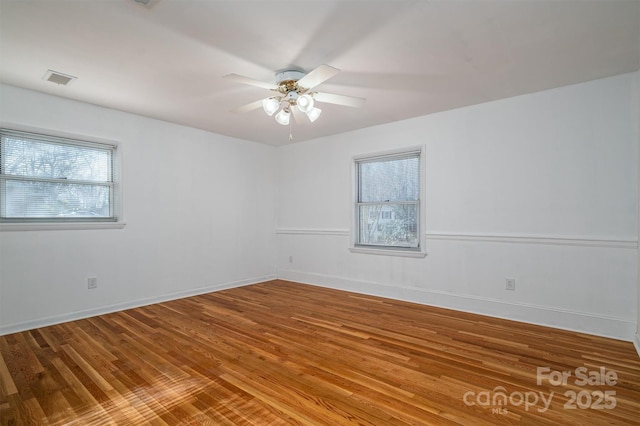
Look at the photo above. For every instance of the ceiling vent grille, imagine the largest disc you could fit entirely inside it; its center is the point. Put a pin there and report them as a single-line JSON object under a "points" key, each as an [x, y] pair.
{"points": [[58, 78], [146, 3]]}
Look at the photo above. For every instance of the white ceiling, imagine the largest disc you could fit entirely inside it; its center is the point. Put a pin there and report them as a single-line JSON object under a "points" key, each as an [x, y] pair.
{"points": [[407, 58]]}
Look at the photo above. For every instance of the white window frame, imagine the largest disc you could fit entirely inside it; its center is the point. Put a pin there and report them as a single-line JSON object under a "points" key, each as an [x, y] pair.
{"points": [[420, 251], [37, 224]]}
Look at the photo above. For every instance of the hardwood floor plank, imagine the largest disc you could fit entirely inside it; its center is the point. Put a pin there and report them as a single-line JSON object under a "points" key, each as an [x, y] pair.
{"points": [[88, 369], [98, 413], [282, 353], [7, 386], [31, 413]]}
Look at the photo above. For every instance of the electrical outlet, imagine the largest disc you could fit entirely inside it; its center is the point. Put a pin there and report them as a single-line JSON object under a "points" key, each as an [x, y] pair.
{"points": [[92, 282], [510, 284]]}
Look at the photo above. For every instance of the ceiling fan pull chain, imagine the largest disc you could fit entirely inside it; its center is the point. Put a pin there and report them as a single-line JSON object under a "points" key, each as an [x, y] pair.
{"points": [[290, 131]]}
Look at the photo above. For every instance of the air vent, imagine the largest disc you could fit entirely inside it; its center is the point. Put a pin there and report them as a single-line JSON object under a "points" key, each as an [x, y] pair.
{"points": [[145, 3], [58, 78]]}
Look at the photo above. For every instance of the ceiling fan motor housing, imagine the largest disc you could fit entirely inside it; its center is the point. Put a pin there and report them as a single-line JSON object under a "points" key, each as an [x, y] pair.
{"points": [[289, 75], [287, 82]]}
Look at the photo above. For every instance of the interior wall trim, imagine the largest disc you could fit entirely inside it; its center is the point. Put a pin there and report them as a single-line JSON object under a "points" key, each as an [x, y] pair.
{"points": [[62, 226], [548, 316], [487, 238], [536, 239], [101, 310], [312, 231], [636, 342]]}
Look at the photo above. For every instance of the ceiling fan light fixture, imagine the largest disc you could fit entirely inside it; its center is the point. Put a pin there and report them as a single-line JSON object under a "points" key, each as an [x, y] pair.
{"points": [[293, 92], [305, 103], [270, 105], [283, 117], [313, 114]]}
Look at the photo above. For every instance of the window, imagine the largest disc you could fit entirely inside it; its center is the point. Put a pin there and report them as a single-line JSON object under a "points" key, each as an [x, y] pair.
{"points": [[387, 208], [52, 179]]}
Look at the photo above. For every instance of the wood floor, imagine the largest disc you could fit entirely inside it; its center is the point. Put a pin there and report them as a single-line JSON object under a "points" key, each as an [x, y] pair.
{"points": [[285, 353]]}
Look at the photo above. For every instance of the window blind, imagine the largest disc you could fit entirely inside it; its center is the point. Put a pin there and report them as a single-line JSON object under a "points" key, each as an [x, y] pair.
{"points": [[389, 179], [55, 179]]}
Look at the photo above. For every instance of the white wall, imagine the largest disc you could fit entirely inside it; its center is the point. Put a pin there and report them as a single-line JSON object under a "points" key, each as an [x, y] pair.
{"points": [[541, 188], [199, 212], [534, 187], [637, 123]]}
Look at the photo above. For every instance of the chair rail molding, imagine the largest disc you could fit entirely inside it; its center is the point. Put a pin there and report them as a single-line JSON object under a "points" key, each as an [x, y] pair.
{"points": [[487, 238]]}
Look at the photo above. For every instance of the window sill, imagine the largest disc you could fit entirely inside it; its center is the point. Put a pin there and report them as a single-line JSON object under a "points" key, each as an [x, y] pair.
{"points": [[388, 252], [66, 226]]}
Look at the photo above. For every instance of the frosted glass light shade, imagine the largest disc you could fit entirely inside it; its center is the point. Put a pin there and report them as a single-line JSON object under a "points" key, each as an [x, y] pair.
{"points": [[283, 117], [305, 103], [313, 114], [270, 105]]}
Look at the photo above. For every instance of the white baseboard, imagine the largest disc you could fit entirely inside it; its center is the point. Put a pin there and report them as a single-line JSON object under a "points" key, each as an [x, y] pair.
{"points": [[600, 325], [636, 341], [72, 316]]}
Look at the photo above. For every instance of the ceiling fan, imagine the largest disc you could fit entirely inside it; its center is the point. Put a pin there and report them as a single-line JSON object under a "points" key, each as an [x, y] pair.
{"points": [[293, 92]]}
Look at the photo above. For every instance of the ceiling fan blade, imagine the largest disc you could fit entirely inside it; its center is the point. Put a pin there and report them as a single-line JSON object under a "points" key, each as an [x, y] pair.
{"points": [[317, 76], [251, 82], [248, 107], [330, 98]]}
